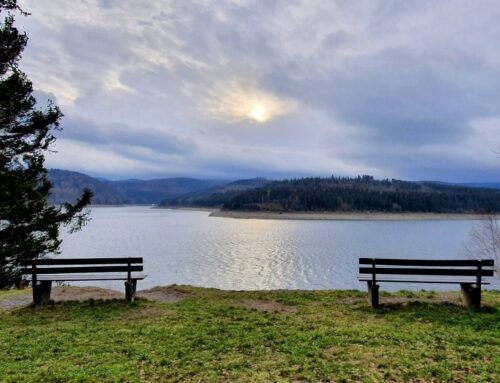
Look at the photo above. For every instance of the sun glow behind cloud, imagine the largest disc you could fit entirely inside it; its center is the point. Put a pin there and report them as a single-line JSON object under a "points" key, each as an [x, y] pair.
{"points": [[237, 101], [258, 113]]}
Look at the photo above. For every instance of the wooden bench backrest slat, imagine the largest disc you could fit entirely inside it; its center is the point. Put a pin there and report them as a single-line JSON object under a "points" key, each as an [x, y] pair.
{"points": [[414, 271], [81, 261], [82, 269], [426, 262]]}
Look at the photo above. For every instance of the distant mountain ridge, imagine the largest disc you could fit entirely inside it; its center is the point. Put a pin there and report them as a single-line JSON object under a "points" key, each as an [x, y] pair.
{"points": [[156, 190], [306, 194], [68, 186], [483, 185], [215, 196]]}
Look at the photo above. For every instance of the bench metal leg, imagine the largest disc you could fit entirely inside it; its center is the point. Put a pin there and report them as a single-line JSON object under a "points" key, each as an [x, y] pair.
{"points": [[471, 295], [130, 289], [373, 294], [41, 293]]}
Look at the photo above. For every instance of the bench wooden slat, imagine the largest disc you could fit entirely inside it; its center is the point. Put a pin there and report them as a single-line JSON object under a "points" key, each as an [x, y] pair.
{"points": [[415, 271], [81, 269], [422, 279], [86, 277], [426, 262], [81, 261]]}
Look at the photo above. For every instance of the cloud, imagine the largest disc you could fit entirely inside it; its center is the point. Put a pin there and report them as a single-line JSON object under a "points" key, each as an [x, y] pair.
{"points": [[236, 100], [390, 88], [155, 138]]}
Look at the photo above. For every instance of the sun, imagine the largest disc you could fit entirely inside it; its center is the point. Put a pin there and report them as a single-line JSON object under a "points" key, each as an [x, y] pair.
{"points": [[258, 113], [239, 101]]}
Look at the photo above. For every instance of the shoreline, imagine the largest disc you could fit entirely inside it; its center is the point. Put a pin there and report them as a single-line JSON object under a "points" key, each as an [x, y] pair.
{"points": [[321, 216], [187, 208], [339, 216]]}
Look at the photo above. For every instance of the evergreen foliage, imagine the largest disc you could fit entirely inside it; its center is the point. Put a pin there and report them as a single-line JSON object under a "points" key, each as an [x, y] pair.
{"points": [[364, 193], [29, 227]]}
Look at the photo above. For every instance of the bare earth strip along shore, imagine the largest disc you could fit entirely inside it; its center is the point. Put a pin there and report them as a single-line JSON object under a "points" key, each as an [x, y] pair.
{"points": [[339, 216]]}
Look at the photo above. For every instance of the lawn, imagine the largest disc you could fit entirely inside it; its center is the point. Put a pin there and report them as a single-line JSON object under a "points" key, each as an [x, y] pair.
{"points": [[220, 336]]}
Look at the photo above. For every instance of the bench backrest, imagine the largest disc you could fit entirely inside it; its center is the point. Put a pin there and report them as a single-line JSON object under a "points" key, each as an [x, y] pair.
{"points": [[468, 267], [81, 265]]}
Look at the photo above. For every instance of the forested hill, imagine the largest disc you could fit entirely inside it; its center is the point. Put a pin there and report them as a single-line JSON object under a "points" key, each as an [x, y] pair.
{"points": [[156, 190], [67, 186], [362, 193], [215, 196]]}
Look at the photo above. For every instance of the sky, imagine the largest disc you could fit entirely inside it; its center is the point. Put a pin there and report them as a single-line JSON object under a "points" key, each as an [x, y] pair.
{"points": [[243, 88]]}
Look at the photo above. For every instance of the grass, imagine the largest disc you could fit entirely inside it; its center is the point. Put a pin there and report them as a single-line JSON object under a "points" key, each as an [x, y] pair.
{"points": [[218, 336]]}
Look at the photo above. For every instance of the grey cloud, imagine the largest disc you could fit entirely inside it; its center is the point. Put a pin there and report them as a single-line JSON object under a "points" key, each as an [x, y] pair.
{"points": [[404, 98], [163, 141]]}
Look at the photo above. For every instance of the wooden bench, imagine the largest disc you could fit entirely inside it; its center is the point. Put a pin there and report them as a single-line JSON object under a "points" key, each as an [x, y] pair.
{"points": [[42, 272], [468, 273]]}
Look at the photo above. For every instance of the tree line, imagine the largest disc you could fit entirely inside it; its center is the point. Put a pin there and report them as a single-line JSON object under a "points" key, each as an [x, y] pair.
{"points": [[362, 193]]}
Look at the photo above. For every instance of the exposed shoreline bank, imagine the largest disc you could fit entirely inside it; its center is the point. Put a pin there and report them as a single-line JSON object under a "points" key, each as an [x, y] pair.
{"points": [[339, 216], [325, 216]]}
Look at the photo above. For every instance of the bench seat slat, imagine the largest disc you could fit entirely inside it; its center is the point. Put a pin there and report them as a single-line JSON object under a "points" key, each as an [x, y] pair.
{"points": [[81, 269], [86, 277], [422, 279], [80, 261], [426, 262], [423, 271]]}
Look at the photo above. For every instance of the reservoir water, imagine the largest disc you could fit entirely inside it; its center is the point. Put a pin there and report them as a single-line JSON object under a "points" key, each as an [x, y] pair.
{"points": [[189, 247]]}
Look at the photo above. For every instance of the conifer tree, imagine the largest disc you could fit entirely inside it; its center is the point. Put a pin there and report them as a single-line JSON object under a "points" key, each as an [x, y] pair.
{"points": [[29, 226]]}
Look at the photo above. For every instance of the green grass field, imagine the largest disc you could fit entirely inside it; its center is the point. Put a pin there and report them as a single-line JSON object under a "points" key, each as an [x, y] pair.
{"points": [[218, 336]]}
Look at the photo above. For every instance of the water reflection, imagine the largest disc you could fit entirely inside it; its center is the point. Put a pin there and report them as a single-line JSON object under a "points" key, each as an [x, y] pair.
{"points": [[188, 247]]}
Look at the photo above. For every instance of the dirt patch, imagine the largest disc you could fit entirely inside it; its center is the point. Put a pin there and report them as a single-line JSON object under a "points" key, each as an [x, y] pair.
{"points": [[441, 297], [15, 301], [62, 293], [78, 293], [266, 306], [148, 312], [449, 297], [349, 300], [165, 294], [444, 297]]}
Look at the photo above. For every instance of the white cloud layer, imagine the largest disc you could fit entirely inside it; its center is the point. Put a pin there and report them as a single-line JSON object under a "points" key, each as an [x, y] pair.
{"points": [[231, 89]]}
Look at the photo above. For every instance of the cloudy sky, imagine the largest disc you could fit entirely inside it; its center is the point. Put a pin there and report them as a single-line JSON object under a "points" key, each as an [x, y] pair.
{"points": [[244, 88]]}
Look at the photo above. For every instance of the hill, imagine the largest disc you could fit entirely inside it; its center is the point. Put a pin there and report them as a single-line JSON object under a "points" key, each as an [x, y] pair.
{"points": [[68, 186], [362, 193], [487, 185], [156, 190], [215, 196]]}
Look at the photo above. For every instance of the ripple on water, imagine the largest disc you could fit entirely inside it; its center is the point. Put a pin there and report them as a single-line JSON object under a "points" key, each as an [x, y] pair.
{"points": [[188, 247]]}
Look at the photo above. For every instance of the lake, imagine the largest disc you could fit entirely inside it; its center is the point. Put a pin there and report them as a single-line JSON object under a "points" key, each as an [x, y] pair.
{"points": [[189, 247]]}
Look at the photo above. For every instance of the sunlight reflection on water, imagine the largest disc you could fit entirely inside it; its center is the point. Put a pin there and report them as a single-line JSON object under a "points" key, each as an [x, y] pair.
{"points": [[188, 247]]}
